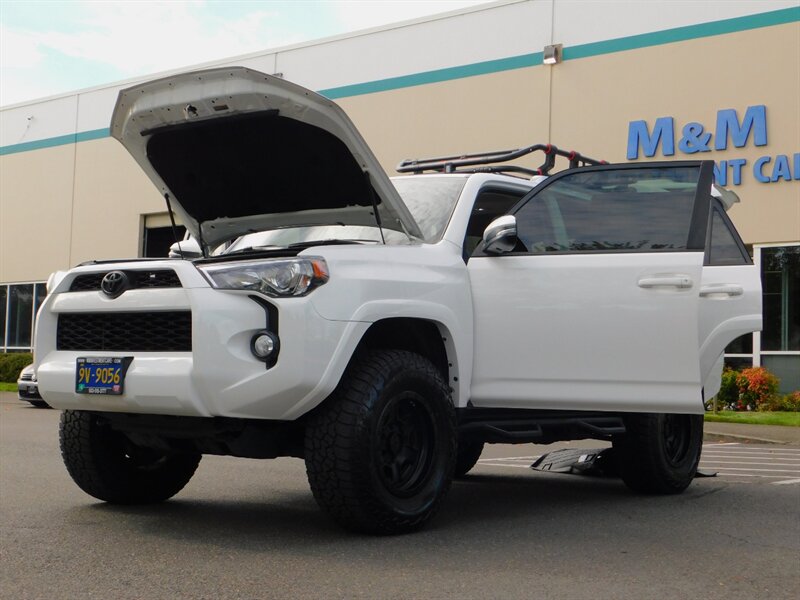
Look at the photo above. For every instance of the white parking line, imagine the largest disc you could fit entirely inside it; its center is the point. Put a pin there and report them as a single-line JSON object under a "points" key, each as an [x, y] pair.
{"points": [[722, 473], [712, 465], [729, 450], [753, 453], [786, 482], [743, 463], [750, 456], [510, 458]]}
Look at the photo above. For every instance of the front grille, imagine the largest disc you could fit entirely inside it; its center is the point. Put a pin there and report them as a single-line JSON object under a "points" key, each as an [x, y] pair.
{"points": [[126, 331], [26, 377], [158, 278]]}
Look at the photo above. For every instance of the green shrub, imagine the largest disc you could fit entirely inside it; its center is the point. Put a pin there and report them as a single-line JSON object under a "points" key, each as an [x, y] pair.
{"points": [[12, 364], [728, 394], [788, 403], [757, 387], [751, 389]]}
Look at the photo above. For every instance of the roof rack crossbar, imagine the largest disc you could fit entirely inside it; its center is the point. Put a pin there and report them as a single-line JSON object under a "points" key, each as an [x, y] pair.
{"points": [[500, 169], [456, 163]]}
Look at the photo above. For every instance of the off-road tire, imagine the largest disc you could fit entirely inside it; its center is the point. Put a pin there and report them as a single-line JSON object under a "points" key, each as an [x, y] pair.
{"points": [[380, 451], [106, 465], [467, 457], [659, 453]]}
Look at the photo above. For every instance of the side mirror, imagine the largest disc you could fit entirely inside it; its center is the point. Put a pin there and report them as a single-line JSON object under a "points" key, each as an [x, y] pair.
{"points": [[501, 235], [189, 248]]}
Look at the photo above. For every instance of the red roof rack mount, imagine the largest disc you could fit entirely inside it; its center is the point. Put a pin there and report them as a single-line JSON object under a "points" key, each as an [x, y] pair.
{"points": [[486, 162]]}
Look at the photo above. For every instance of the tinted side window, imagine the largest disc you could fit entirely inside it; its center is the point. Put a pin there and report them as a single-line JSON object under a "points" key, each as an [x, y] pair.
{"points": [[723, 247], [644, 210]]}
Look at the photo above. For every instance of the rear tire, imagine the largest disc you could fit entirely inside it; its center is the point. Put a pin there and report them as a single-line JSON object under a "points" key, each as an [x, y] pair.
{"points": [[659, 453], [380, 451], [467, 457], [106, 465]]}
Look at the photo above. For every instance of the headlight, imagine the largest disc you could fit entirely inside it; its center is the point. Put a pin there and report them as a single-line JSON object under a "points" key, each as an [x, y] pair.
{"points": [[277, 277]]}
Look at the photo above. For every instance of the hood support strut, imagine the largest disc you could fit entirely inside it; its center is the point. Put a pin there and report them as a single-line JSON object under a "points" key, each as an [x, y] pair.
{"points": [[374, 197], [175, 230]]}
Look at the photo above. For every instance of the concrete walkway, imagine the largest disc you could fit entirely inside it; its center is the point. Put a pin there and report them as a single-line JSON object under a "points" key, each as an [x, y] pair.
{"points": [[770, 434]]}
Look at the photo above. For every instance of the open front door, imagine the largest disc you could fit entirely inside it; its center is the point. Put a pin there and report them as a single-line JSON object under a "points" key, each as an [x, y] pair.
{"points": [[597, 308]]}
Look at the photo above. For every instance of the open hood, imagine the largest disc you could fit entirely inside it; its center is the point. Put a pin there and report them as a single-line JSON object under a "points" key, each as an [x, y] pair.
{"points": [[239, 151]]}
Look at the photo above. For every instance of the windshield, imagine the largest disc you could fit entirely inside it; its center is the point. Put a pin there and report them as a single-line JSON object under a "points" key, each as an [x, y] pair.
{"points": [[292, 236], [430, 200]]}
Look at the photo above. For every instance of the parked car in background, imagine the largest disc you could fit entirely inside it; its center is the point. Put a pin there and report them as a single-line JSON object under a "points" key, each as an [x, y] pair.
{"points": [[28, 388]]}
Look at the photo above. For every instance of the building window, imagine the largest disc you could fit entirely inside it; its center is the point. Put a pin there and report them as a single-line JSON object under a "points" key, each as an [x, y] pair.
{"points": [[18, 306], [739, 353], [3, 309], [157, 240], [779, 342], [780, 281], [158, 235]]}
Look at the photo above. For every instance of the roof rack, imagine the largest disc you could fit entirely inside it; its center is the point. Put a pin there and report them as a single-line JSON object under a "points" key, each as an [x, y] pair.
{"points": [[484, 162]]}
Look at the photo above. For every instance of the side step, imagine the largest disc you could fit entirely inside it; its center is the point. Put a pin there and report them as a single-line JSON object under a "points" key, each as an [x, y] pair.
{"points": [[517, 426]]}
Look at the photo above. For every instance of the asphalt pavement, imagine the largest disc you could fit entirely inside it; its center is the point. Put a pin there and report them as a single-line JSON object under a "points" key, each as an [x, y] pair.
{"points": [[250, 529]]}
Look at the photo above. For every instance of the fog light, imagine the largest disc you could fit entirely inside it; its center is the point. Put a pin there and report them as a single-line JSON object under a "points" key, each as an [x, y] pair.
{"points": [[264, 344]]}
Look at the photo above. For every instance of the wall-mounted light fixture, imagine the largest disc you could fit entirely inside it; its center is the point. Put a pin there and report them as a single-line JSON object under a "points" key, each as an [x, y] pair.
{"points": [[552, 54]]}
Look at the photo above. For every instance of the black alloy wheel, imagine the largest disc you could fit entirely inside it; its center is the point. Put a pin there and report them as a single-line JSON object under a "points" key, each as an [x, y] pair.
{"points": [[406, 444], [677, 434]]}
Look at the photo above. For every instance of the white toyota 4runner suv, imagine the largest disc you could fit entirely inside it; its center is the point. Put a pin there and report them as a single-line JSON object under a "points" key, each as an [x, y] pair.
{"points": [[385, 330]]}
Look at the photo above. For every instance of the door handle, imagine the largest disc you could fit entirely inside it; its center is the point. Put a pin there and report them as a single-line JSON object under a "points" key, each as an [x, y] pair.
{"points": [[677, 281], [726, 289]]}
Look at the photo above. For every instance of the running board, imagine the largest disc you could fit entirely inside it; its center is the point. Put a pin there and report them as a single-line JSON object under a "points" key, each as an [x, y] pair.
{"points": [[514, 426]]}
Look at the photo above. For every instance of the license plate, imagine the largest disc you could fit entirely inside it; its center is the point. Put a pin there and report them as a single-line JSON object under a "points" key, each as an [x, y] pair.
{"points": [[101, 375]]}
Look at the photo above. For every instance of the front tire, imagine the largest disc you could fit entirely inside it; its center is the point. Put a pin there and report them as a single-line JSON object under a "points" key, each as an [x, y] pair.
{"points": [[106, 465], [660, 453], [380, 452]]}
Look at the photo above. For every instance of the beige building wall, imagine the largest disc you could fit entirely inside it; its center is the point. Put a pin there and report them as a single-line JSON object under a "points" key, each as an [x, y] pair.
{"points": [[36, 191], [474, 114], [595, 98], [111, 196], [65, 205]]}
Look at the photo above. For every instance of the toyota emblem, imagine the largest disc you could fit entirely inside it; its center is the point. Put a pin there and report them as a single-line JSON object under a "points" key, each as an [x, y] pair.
{"points": [[114, 283]]}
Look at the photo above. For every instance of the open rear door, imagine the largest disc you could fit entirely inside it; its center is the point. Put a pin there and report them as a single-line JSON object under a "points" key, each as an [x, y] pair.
{"points": [[730, 296]]}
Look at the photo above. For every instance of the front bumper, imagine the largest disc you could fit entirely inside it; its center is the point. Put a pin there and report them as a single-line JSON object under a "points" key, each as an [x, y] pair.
{"points": [[220, 376], [28, 390]]}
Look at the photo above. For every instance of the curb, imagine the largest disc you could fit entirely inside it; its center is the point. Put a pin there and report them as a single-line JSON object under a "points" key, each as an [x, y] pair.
{"points": [[732, 437]]}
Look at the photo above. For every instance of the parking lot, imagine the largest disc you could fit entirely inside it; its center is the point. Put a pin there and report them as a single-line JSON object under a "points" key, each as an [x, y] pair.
{"points": [[250, 529]]}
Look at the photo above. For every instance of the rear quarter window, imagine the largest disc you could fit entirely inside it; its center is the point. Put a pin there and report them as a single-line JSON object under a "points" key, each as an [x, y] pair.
{"points": [[724, 246]]}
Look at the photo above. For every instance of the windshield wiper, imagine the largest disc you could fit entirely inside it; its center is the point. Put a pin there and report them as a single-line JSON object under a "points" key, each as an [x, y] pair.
{"points": [[296, 245], [329, 242]]}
